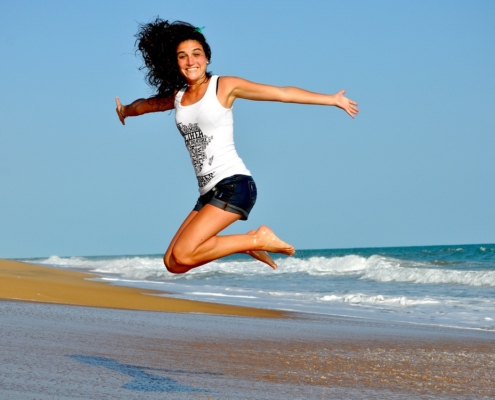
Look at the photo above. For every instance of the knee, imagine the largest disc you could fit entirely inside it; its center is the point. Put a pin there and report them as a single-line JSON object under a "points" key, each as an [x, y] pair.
{"points": [[173, 265], [182, 253], [170, 264], [182, 257]]}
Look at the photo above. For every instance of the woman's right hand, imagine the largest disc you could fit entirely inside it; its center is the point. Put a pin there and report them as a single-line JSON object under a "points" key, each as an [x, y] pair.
{"points": [[120, 110]]}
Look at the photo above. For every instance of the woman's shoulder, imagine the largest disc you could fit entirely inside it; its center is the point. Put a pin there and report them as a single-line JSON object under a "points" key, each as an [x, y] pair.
{"points": [[228, 79], [230, 82], [178, 93]]}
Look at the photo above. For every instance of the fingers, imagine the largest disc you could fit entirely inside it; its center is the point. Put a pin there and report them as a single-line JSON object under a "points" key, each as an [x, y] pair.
{"points": [[352, 109]]}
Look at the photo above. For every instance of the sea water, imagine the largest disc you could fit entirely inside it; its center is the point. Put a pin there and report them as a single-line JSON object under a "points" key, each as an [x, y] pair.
{"points": [[434, 285]]}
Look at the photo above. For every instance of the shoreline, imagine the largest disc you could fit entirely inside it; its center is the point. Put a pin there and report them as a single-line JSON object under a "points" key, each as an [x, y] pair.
{"points": [[32, 283]]}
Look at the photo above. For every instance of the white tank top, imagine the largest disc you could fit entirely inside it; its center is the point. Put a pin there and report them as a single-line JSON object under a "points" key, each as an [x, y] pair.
{"points": [[208, 131]]}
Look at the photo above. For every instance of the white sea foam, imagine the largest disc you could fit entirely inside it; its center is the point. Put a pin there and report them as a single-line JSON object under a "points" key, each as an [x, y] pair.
{"points": [[378, 299], [127, 267], [344, 265], [386, 269], [375, 268], [220, 295], [383, 269]]}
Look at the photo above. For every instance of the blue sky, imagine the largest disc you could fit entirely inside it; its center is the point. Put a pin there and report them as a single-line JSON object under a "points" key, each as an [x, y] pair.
{"points": [[416, 167]]}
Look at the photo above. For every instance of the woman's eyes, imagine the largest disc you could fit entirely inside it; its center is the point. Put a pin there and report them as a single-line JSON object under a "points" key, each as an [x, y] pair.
{"points": [[183, 56]]}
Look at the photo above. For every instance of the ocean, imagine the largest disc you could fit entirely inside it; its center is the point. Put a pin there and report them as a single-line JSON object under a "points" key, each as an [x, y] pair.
{"points": [[450, 286]]}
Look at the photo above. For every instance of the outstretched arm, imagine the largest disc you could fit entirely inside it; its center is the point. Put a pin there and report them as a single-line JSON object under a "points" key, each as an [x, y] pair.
{"points": [[142, 106], [231, 88]]}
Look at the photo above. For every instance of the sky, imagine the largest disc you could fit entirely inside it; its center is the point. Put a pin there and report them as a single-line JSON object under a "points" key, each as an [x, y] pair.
{"points": [[416, 166]]}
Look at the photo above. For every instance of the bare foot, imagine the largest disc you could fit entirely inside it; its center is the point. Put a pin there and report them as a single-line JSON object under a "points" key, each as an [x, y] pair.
{"points": [[261, 255], [268, 241]]}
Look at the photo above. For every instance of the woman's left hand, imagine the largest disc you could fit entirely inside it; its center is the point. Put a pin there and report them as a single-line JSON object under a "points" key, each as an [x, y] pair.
{"points": [[348, 105]]}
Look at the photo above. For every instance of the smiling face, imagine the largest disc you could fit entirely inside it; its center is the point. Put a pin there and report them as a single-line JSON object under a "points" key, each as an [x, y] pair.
{"points": [[191, 60]]}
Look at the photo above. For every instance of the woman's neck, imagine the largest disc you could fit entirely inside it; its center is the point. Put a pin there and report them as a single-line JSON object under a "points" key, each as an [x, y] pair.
{"points": [[194, 86]]}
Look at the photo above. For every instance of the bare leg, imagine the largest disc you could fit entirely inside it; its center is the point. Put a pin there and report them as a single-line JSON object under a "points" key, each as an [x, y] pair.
{"points": [[168, 260], [196, 242]]}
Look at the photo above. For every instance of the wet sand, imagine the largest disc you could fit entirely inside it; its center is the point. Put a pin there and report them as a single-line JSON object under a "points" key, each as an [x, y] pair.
{"points": [[72, 352]]}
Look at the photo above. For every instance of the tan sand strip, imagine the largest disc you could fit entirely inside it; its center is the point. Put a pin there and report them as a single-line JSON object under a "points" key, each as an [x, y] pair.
{"points": [[26, 282]]}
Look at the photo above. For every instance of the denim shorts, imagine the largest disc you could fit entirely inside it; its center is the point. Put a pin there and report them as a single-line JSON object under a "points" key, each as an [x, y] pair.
{"points": [[236, 194]]}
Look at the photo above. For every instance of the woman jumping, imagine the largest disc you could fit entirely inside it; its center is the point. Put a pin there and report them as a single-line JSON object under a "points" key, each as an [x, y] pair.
{"points": [[176, 56]]}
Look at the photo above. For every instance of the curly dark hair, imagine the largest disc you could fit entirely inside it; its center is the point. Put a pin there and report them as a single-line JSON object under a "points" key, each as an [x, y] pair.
{"points": [[157, 42]]}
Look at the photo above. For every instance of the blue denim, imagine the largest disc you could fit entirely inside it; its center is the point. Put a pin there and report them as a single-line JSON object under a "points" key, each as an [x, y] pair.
{"points": [[236, 194]]}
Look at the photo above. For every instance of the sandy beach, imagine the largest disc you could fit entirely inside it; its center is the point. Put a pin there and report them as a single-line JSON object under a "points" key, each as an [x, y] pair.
{"points": [[67, 337]]}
